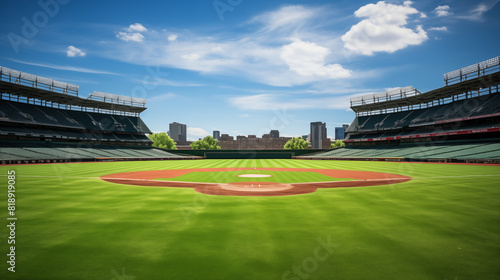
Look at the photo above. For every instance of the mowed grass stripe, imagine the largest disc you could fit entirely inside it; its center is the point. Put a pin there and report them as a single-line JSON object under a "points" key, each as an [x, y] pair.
{"points": [[427, 228], [286, 177]]}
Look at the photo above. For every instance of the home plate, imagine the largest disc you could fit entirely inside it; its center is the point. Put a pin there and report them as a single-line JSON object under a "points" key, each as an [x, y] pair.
{"points": [[254, 175]]}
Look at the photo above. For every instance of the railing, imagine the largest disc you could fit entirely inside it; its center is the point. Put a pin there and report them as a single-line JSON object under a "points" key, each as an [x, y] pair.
{"points": [[117, 99], [473, 71], [26, 79], [393, 94]]}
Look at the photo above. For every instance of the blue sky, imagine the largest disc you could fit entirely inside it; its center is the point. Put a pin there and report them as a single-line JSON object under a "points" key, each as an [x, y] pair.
{"points": [[246, 67]]}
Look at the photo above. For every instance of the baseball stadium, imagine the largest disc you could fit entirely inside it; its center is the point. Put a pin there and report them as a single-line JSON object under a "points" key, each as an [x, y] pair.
{"points": [[413, 194]]}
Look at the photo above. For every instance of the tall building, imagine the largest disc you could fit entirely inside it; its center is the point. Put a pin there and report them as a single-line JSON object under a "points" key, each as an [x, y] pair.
{"points": [[177, 131], [226, 137], [216, 135], [339, 133], [318, 133], [274, 134]]}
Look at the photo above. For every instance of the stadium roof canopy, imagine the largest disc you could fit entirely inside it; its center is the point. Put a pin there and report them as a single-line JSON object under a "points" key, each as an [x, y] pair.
{"points": [[30, 86], [374, 102]]}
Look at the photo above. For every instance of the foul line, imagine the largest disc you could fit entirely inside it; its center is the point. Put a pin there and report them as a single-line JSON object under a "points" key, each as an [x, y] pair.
{"points": [[462, 176], [69, 177]]}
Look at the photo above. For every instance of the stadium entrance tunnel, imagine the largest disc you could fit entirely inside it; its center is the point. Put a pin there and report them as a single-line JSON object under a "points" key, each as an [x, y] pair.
{"points": [[158, 178]]}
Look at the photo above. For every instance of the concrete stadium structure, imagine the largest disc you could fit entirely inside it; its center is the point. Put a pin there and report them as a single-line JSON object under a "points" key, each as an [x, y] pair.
{"points": [[457, 122], [42, 120]]}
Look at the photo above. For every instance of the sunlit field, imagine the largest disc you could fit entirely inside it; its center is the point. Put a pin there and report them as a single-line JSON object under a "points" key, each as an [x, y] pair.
{"points": [[443, 224]]}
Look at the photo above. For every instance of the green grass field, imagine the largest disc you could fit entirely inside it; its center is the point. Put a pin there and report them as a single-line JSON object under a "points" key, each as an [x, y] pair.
{"points": [[443, 224], [284, 177]]}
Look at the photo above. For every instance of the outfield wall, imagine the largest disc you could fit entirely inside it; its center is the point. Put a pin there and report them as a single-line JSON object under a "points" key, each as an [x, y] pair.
{"points": [[246, 154]]}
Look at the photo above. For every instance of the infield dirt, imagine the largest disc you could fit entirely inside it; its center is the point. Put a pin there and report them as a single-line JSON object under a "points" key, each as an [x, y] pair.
{"points": [[361, 179]]}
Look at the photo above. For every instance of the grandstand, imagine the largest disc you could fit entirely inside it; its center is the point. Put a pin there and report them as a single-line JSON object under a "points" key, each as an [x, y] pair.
{"points": [[459, 122], [42, 120]]}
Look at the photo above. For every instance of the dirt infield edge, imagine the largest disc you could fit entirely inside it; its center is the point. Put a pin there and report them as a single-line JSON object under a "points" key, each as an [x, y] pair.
{"points": [[362, 179]]}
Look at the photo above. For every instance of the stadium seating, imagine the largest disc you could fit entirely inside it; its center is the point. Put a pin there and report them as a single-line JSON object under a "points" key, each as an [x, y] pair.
{"points": [[27, 113], [32, 150], [21, 119], [453, 150], [457, 122], [473, 107], [55, 124], [419, 131], [39, 115]]}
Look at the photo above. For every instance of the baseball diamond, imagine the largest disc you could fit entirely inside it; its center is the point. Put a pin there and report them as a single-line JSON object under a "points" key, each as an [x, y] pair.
{"points": [[137, 212], [361, 178]]}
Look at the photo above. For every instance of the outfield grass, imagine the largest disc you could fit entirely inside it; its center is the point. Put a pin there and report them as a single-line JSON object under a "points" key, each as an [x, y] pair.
{"points": [[284, 177], [443, 224]]}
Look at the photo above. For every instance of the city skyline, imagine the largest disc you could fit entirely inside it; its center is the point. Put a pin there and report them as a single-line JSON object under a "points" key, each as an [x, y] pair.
{"points": [[272, 134], [255, 67]]}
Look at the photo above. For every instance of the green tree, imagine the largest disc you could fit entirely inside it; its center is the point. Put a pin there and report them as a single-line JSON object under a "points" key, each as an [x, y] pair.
{"points": [[162, 140], [296, 143], [207, 143], [338, 144]]}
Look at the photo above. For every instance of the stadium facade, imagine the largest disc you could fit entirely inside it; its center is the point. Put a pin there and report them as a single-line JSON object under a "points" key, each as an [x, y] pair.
{"points": [[466, 107], [43, 120], [457, 122]]}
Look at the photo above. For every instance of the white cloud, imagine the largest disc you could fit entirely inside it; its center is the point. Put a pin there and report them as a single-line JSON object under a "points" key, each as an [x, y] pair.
{"points": [[384, 29], [194, 133], [441, 28], [286, 17], [72, 51], [137, 27], [172, 37], [65, 68], [256, 55], [423, 15], [161, 97], [157, 81], [191, 56], [308, 59], [133, 33], [268, 102], [442, 11], [477, 13], [386, 13], [134, 37]]}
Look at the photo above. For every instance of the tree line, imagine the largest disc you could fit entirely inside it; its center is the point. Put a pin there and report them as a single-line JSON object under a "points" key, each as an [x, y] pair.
{"points": [[162, 140]]}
